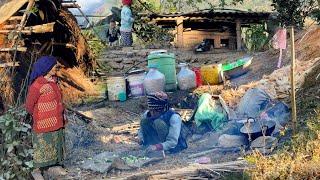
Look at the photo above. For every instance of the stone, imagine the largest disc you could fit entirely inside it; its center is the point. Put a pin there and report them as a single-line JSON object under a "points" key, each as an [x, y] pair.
{"points": [[115, 65], [118, 60], [130, 54], [264, 142], [142, 59], [128, 61], [100, 163], [227, 140], [56, 172]]}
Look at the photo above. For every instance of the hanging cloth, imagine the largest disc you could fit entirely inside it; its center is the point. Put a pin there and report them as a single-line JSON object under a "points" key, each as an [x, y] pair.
{"points": [[279, 41]]}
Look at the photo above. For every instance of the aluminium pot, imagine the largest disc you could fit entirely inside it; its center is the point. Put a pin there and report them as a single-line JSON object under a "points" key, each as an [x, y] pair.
{"points": [[253, 129]]}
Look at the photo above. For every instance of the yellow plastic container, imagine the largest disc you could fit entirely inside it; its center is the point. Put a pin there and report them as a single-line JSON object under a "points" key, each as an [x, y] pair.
{"points": [[211, 74]]}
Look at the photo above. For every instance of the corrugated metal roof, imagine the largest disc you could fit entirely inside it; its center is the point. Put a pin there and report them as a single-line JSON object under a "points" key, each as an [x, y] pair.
{"points": [[213, 12]]}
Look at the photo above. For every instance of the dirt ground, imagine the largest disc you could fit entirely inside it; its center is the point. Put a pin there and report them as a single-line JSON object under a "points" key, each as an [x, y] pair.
{"points": [[115, 124]]}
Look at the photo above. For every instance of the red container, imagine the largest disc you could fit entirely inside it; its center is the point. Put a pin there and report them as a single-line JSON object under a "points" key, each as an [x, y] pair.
{"points": [[198, 76]]}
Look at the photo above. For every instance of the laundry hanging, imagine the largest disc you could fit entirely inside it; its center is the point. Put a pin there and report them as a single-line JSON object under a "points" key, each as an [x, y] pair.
{"points": [[279, 41]]}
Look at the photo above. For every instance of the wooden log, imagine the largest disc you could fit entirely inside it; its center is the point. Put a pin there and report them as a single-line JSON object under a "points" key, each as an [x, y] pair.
{"points": [[83, 117], [70, 5], [180, 33], [67, 45], [69, 1], [44, 28], [26, 13], [192, 170], [9, 64], [15, 18], [215, 149], [10, 26], [38, 29], [238, 29], [9, 8], [21, 49], [97, 16]]}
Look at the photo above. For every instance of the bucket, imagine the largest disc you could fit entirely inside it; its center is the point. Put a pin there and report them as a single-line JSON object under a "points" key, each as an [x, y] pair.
{"points": [[116, 88], [212, 74], [166, 64], [136, 84], [198, 76]]}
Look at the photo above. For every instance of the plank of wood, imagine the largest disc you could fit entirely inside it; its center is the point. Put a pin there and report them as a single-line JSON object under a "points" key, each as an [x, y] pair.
{"points": [[9, 64], [15, 18], [85, 118], [10, 8], [215, 149], [21, 49], [26, 13], [9, 26], [192, 170], [67, 45], [38, 29], [70, 5], [44, 28]]}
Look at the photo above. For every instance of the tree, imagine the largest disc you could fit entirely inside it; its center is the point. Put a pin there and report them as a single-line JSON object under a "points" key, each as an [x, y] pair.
{"points": [[293, 12]]}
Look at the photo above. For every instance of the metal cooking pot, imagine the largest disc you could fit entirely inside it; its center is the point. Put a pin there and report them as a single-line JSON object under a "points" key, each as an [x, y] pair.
{"points": [[253, 129]]}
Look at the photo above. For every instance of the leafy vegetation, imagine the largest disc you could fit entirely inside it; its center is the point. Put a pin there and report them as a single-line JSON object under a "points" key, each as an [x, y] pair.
{"points": [[95, 43], [149, 33], [15, 145], [256, 37], [294, 12]]}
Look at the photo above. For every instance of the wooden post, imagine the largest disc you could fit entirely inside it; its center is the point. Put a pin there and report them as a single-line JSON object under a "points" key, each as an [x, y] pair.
{"points": [[180, 32], [238, 29], [217, 42], [293, 87]]}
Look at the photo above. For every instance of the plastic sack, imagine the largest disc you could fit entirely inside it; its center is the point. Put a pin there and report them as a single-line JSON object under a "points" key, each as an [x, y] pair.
{"points": [[211, 112], [253, 103], [278, 112]]}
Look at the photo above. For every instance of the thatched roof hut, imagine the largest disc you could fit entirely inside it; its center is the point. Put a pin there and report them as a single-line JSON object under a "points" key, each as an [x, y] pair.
{"points": [[30, 29]]}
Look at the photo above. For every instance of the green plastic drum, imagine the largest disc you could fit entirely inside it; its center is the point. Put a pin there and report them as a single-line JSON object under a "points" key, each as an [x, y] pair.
{"points": [[166, 64]]}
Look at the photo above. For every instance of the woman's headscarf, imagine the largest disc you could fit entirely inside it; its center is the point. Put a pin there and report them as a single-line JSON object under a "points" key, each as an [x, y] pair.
{"points": [[43, 65], [127, 2], [157, 104]]}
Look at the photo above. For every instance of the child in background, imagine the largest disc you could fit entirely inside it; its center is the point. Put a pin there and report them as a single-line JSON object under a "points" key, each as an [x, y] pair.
{"points": [[112, 33]]}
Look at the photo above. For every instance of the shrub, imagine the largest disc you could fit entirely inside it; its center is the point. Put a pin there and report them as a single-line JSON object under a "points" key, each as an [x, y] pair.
{"points": [[15, 145]]}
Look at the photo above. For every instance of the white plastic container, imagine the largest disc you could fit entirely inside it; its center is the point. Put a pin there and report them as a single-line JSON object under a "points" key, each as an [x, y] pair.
{"points": [[116, 86], [136, 83], [186, 78], [154, 81]]}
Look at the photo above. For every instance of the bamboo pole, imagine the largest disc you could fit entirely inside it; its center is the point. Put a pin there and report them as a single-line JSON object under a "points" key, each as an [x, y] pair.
{"points": [[293, 87]]}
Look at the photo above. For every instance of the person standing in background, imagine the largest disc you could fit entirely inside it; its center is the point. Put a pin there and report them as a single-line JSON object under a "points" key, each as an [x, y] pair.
{"points": [[126, 23]]}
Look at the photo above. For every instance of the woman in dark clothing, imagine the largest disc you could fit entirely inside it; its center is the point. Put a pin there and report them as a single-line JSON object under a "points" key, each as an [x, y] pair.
{"points": [[161, 127]]}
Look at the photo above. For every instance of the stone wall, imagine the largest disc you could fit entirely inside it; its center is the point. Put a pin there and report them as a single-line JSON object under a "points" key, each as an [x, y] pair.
{"points": [[120, 61]]}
